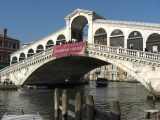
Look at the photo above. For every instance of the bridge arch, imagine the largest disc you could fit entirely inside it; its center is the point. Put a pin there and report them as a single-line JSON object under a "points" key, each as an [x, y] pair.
{"points": [[30, 53], [153, 43], [40, 48], [61, 39], [74, 66], [135, 41], [49, 44], [14, 60], [22, 56], [79, 27], [100, 37], [117, 38], [62, 68], [127, 67]]}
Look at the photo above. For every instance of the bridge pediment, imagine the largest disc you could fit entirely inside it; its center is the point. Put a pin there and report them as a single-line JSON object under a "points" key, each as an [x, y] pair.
{"points": [[78, 11], [82, 12]]}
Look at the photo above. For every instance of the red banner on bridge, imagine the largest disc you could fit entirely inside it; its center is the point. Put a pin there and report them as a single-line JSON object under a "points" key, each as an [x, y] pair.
{"points": [[68, 49]]}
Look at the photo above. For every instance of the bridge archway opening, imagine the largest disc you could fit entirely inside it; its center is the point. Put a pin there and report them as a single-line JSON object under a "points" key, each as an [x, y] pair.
{"points": [[14, 60], [117, 38], [39, 48], [100, 37], [153, 43], [22, 57], [61, 39], [57, 71], [30, 53], [135, 41], [79, 29], [49, 44]]}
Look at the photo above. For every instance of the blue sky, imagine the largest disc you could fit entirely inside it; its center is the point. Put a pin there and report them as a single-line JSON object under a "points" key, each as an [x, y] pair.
{"points": [[30, 20]]}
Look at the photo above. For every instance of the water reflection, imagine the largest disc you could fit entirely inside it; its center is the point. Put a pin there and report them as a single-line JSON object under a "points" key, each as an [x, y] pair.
{"points": [[132, 97]]}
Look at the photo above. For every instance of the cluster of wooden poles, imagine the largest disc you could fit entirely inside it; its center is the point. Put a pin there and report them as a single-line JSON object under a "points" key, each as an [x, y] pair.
{"points": [[84, 107]]}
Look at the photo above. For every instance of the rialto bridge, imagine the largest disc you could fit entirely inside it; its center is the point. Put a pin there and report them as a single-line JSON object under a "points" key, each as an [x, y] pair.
{"points": [[131, 46]]}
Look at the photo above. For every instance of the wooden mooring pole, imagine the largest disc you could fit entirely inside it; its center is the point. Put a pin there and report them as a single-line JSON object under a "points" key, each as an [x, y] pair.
{"points": [[78, 104], [90, 108], [64, 105], [116, 110], [56, 104]]}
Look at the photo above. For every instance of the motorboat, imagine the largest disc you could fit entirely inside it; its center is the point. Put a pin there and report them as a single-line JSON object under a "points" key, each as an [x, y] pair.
{"points": [[22, 117], [101, 82]]}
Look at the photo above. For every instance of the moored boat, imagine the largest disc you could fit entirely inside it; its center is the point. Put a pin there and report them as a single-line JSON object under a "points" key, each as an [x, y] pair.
{"points": [[101, 82]]}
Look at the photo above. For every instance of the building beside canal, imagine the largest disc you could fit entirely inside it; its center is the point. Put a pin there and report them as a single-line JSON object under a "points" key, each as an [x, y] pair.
{"points": [[8, 45], [109, 72]]}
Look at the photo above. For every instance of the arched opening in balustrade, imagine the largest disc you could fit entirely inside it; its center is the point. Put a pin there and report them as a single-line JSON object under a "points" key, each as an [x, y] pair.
{"points": [[40, 48], [49, 44], [135, 41], [60, 39], [22, 57], [30, 53], [79, 29], [14, 60], [117, 38], [100, 37], [153, 43]]}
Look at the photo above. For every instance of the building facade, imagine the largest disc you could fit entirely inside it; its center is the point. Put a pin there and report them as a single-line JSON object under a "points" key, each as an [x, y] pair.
{"points": [[8, 45]]}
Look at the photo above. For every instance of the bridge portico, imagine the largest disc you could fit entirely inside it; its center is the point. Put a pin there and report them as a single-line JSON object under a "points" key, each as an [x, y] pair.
{"points": [[127, 45]]}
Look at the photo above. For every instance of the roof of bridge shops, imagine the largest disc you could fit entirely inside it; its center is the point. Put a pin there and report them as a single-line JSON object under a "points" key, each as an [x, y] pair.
{"points": [[99, 19], [32, 19], [102, 19]]}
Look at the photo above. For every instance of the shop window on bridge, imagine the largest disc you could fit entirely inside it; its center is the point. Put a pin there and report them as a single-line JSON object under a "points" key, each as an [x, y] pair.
{"points": [[100, 37], [22, 57], [14, 60], [30, 53], [153, 43], [49, 44], [39, 49], [61, 40], [135, 41], [117, 38]]}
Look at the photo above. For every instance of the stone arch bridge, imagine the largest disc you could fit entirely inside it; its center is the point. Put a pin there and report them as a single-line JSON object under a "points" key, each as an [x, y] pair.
{"points": [[143, 66], [132, 46]]}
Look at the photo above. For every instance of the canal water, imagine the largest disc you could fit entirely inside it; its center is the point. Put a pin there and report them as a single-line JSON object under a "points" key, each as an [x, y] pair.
{"points": [[132, 97]]}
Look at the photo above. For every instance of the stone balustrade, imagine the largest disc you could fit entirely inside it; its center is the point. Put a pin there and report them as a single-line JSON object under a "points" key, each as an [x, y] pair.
{"points": [[36, 58], [153, 57], [47, 54]]}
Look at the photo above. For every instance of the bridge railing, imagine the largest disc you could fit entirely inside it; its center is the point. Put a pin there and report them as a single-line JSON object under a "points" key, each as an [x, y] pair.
{"points": [[102, 48], [126, 52], [26, 61]]}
